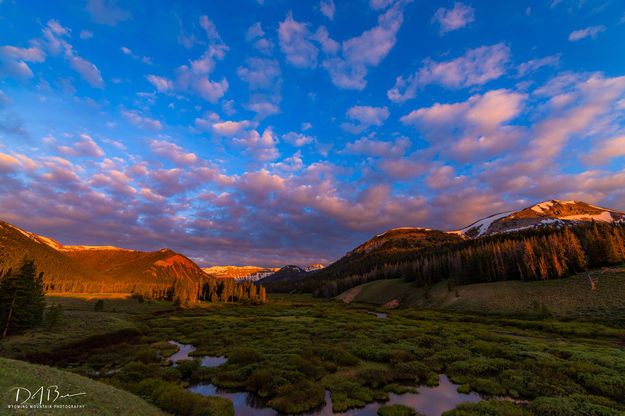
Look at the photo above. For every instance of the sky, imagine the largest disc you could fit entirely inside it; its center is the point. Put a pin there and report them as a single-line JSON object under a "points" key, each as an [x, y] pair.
{"points": [[272, 132]]}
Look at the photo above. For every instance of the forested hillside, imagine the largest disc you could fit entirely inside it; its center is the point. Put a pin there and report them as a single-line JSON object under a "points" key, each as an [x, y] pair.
{"points": [[162, 274], [535, 254]]}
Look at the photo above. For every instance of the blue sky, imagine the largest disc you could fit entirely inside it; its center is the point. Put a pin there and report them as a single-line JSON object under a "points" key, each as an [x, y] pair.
{"points": [[272, 132]]}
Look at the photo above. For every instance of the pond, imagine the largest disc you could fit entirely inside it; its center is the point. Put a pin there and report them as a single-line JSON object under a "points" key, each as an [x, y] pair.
{"points": [[379, 314], [429, 401], [183, 354]]}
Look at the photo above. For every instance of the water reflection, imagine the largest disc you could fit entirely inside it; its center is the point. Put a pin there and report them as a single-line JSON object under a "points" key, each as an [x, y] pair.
{"points": [[429, 401], [183, 354], [379, 314]]}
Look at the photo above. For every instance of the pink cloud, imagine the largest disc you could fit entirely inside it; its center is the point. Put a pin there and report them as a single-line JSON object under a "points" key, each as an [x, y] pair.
{"points": [[455, 18], [476, 67]]}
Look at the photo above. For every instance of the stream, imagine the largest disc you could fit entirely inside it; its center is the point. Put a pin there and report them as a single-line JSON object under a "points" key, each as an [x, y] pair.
{"points": [[429, 401]]}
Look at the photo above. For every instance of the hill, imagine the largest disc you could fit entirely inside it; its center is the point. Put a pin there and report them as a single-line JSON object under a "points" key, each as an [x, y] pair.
{"points": [[98, 269], [98, 398], [391, 246], [549, 240], [542, 214], [572, 297]]}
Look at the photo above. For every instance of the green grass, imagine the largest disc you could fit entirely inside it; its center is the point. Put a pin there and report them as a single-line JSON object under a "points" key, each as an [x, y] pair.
{"points": [[292, 349], [571, 297], [80, 322], [100, 399]]}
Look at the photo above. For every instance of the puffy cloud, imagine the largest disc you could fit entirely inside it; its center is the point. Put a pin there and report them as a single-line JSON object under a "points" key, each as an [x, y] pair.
{"points": [[476, 126], [256, 35], [173, 152], [106, 12], [455, 18], [140, 120], [55, 37], [87, 70], [260, 73], [13, 60], [193, 78], [327, 8], [358, 54], [161, 84], [297, 139], [295, 44], [476, 67], [85, 146], [227, 128], [379, 148], [606, 150], [261, 147], [364, 117], [8, 163], [589, 32], [535, 64]]}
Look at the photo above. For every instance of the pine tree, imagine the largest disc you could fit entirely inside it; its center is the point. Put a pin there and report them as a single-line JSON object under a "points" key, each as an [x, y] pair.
{"points": [[21, 299]]}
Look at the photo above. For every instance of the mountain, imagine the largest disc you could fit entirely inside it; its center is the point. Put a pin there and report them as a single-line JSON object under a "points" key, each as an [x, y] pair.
{"points": [[286, 274], [97, 269], [314, 267], [240, 272], [427, 255], [545, 213]]}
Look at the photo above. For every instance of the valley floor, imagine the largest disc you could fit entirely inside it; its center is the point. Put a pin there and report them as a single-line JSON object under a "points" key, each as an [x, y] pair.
{"points": [[295, 350]]}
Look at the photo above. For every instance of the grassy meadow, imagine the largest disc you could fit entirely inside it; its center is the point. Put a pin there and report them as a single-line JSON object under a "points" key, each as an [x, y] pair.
{"points": [[564, 298], [292, 349]]}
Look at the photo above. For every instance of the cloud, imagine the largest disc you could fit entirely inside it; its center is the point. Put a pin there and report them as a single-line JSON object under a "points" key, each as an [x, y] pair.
{"points": [[140, 120], [173, 152], [161, 84], [476, 67], [358, 54], [327, 8], [453, 19], [260, 73], [85, 146], [535, 64], [295, 44], [379, 148], [225, 128], [297, 139], [193, 78], [87, 70], [589, 32], [260, 147], [264, 79], [363, 117], [55, 37], [106, 12], [606, 150], [13, 60], [145, 59], [256, 35], [478, 126], [8, 164], [85, 34]]}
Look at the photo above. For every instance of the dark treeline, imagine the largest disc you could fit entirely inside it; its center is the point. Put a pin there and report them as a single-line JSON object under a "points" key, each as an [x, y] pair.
{"points": [[181, 291], [536, 254], [21, 299]]}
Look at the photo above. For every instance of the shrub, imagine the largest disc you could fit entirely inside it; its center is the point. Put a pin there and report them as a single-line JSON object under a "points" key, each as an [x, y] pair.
{"points": [[99, 305], [53, 316], [396, 410], [244, 356]]}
